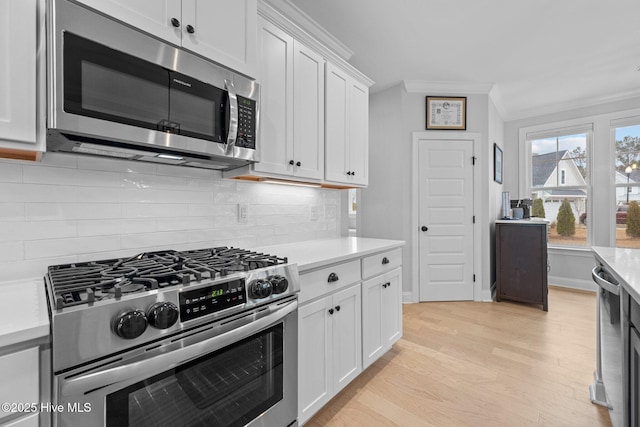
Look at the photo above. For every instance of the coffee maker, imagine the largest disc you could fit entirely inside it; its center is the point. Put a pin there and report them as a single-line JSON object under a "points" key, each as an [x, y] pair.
{"points": [[525, 204]]}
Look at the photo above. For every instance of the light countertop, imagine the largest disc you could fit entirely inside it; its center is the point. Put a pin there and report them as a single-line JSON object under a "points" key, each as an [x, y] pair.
{"points": [[312, 254], [533, 221], [23, 311], [624, 264], [23, 304]]}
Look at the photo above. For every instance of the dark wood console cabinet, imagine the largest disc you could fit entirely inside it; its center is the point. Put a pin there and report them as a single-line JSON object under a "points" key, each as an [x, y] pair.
{"points": [[521, 262]]}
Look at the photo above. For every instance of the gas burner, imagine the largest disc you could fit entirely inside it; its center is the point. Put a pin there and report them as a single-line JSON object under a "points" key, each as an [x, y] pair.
{"points": [[85, 283]]}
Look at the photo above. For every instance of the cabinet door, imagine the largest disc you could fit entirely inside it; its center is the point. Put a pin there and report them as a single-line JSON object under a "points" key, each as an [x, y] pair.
{"points": [[315, 332], [20, 377], [308, 112], [18, 73], [358, 122], [276, 100], [223, 31], [392, 310], [337, 95], [372, 321], [151, 16], [347, 337]]}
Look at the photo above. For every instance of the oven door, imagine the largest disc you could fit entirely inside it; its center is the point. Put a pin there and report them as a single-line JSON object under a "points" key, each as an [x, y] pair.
{"points": [[235, 372]]}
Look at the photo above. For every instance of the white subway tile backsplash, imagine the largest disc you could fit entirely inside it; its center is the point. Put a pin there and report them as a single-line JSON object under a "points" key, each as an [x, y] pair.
{"points": [[154, 181], [154, 210], [74, 246], [16, 192], [69, 177], [60, 211], [150, 240], [35, 230], [11, 251], [72, 208], [10, 172], [11, 212]]}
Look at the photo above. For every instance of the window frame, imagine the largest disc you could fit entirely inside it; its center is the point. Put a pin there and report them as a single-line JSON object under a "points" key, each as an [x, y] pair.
{"points": [[552, 130], [614, 125]]}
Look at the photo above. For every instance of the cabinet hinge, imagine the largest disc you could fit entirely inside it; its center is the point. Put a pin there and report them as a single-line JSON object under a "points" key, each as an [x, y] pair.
{"points": [[474, 277], [473, 160]]}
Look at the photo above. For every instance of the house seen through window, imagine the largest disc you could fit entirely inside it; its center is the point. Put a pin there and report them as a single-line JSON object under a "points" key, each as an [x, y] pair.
{"points": [[627, 186], [559, 180]]}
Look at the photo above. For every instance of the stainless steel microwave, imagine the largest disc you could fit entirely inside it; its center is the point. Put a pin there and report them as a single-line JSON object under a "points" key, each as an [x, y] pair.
{"points": [[115, 91]]}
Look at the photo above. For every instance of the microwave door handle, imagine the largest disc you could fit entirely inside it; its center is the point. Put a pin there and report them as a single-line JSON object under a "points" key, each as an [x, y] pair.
{"points": [[233, 117], [163, 362]]}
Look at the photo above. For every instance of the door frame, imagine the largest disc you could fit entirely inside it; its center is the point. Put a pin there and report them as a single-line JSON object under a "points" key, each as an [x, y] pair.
{"points": [[419, 137]]}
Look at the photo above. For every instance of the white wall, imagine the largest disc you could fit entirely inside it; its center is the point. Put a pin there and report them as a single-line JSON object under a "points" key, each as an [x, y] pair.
{"points": [[494, 201], [71, 208], [571, 267], [385, 207]]}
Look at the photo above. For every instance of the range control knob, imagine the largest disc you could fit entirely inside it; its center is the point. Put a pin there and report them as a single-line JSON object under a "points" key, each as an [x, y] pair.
{"points": [[279, 284], [162, 315], [260, 289], [130, 324]]}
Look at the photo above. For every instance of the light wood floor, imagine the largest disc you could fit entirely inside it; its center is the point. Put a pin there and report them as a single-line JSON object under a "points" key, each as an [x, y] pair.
{"points": [[480, 364]]}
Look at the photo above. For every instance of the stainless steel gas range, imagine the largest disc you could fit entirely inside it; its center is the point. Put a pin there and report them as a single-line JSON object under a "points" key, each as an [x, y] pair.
{"points": [[203, 337]]}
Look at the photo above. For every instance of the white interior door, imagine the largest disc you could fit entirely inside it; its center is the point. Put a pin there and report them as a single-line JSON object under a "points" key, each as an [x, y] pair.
{"points": [[446, 220]]}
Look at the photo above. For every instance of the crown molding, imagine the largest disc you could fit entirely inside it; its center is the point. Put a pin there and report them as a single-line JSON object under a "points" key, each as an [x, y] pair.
{"points": [[569, 105], [328, 46], [450, 88], [306, 23]]}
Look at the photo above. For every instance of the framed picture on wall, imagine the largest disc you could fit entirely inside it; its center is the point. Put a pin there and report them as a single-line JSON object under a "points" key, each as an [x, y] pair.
{"points": [[446, 113], [497, 164]]}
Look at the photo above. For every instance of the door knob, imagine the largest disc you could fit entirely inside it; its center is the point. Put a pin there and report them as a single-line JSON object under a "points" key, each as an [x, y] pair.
{"points": [[424, 228]]}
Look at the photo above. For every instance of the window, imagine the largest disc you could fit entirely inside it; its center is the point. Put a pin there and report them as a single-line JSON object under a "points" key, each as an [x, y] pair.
{"points": [[559, 177], [627, 186]]}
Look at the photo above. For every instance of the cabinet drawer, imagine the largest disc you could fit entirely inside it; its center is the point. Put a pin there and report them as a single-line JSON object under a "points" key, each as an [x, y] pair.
{"points": [[327, 280], [381, 263], [19, 374]]}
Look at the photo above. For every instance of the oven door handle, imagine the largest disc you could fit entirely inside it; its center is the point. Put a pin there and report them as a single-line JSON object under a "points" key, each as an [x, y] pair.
{"points": [[167, 361], [607, 286]]}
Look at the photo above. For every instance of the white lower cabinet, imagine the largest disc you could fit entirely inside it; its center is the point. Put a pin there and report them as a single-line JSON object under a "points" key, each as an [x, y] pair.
{"points": [[381, 315], [20, 385], [330, 352], [345, 324]]}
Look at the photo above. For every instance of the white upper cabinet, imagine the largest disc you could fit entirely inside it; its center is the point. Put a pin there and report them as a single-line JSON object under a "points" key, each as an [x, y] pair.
{"points": [[291, 106], [221, 30], [18, 74], [347, 134]]}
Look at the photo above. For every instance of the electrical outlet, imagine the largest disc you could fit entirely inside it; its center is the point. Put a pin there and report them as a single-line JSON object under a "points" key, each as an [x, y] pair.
{"points": [[313, 213], [243, 212]]}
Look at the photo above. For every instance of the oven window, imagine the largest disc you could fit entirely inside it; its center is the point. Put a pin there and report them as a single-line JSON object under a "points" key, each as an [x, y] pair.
{"points": [[229, 387]]}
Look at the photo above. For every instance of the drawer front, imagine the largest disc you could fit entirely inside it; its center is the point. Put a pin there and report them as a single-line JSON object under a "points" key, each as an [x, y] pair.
{"points": [[19, 374], [326, 280], [381, 263]]}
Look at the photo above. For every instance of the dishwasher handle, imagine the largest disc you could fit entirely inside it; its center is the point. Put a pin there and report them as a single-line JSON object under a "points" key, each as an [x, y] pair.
{"points": [[604, 284]]}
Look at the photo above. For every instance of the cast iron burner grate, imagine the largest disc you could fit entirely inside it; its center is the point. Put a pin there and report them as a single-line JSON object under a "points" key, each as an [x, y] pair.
{"points": [[87, 282]]}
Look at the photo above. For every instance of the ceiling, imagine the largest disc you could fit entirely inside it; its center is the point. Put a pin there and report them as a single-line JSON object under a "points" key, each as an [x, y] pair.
{"points": [[538, 56]]}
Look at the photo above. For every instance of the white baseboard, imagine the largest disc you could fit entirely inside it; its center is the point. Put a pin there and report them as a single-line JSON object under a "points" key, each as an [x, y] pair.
{"points": [[407, 297], [565, 282]]}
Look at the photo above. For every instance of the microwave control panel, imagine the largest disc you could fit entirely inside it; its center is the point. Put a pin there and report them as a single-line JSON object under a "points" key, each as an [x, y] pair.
{"points": [[246, 123], [210, 299]]}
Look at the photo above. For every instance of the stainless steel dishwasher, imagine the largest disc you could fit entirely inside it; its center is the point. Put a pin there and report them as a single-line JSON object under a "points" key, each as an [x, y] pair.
{"points": [[607, 387]]}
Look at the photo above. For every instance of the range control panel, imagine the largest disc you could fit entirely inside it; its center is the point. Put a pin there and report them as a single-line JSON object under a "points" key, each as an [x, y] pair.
{"points": [[200, 302]]}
